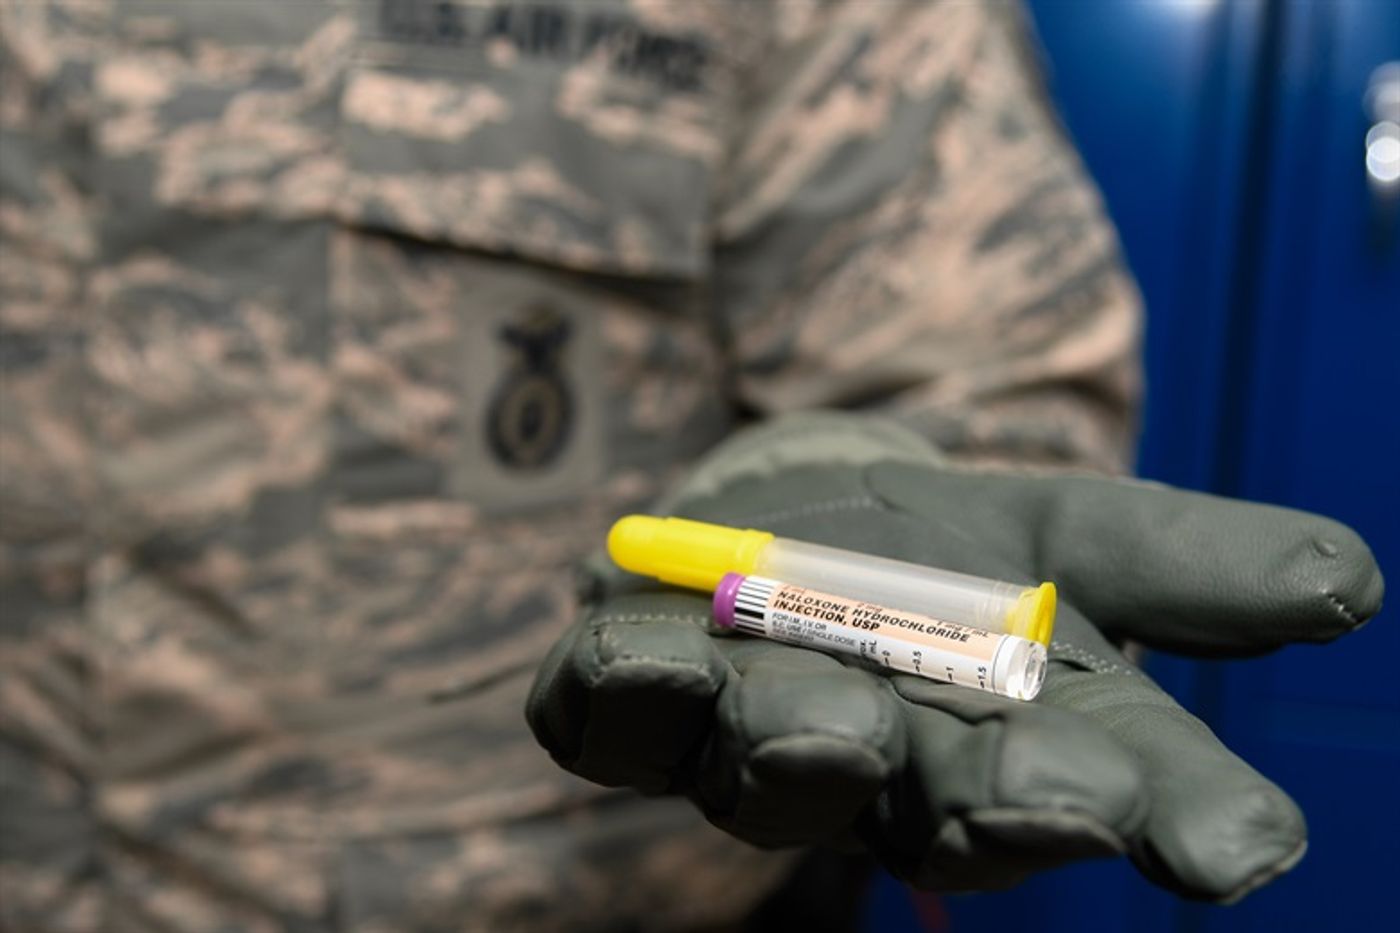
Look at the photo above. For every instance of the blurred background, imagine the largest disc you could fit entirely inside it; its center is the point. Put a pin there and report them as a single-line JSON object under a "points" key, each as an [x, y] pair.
{"points": [[1249, 151]]}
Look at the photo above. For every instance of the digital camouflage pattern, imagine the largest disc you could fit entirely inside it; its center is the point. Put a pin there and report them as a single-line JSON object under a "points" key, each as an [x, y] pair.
{"points": [[334, 334]]}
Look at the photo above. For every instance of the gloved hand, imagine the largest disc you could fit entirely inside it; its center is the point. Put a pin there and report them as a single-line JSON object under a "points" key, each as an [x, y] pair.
{"points": [[950, 788]]}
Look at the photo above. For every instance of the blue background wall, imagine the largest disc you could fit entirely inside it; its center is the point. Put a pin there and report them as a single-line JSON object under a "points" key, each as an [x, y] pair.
{"points": [[1228, 138]]}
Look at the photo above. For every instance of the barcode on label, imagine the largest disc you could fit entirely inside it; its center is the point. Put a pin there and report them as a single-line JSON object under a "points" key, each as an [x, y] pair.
{"points": [[749, 605]]}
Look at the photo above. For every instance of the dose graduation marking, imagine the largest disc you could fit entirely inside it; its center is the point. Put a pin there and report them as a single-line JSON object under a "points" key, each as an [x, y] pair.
{"points": [[902, 641]]}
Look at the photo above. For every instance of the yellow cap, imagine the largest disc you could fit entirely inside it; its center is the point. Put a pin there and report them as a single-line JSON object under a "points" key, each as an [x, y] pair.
{"points": [[1033, 614], [686, 553]]}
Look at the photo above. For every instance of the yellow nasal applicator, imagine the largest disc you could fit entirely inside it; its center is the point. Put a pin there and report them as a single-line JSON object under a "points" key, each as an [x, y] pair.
{"points": [[698, 555]]}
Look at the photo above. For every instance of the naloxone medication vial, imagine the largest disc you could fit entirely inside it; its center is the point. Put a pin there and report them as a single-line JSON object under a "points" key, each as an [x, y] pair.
{"points": [[903, 641], [697, 554]]}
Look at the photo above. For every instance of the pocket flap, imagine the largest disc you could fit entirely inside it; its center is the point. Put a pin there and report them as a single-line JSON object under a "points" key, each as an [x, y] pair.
{"points": [[539, 135]]}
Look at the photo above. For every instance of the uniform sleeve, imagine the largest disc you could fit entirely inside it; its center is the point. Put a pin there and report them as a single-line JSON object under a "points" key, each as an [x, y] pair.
{"points": [[47, 837], [47, 242], [904, 227]]}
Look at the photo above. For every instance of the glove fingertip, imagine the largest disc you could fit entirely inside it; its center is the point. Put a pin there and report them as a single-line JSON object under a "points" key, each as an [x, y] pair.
{"points": [[1346, 579], [822, 762], [1223, 852], [554, 706], [804, 788], [1265, 875]]}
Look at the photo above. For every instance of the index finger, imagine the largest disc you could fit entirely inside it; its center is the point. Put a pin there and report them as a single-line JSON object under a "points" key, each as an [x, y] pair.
{"points": [[1182, 571]]}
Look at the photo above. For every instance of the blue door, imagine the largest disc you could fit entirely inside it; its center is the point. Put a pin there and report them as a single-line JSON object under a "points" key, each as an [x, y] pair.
{"points": [[1230, 140]]}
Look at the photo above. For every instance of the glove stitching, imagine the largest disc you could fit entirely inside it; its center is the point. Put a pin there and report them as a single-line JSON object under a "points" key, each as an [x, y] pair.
{"points": [[815, 508], [652, 617], [685, 663], [601, 669], [1347, 612], [1092, 661]]}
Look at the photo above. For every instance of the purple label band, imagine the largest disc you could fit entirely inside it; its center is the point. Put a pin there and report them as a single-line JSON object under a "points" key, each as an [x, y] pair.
{"points": [[725, 595]]}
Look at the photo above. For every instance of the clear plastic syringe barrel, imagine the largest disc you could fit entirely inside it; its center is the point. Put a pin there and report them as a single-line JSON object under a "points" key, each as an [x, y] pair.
{"points": [[943, 594]]}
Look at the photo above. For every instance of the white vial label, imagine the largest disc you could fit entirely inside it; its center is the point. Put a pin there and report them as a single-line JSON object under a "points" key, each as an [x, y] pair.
{"points": [[902, 641]]}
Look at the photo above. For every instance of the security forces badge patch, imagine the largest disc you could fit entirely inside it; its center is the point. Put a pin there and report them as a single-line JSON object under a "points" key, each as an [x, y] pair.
{"points": [[531, 411], [532, 379]]}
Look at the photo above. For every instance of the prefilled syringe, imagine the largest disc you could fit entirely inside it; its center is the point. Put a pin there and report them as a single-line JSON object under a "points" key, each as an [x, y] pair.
{"points": [[697, 555], [903, 641]]}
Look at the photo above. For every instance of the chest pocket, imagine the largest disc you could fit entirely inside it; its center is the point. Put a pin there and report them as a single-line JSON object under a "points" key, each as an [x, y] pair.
{"points": [[402, 241], [571, 134], [524, 215]]}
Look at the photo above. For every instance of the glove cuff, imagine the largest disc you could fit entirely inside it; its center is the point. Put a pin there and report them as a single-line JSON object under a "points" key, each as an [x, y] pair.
{"points": [[810, 438]]}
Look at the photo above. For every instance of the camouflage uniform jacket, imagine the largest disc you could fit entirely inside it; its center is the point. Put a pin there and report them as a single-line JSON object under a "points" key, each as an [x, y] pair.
{"points": [[333, 333]]}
